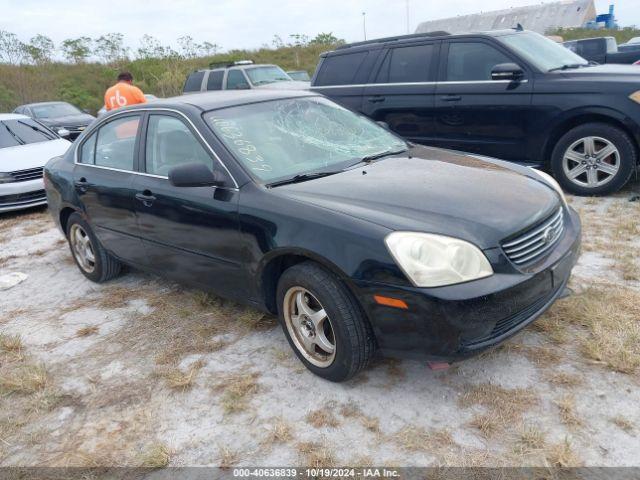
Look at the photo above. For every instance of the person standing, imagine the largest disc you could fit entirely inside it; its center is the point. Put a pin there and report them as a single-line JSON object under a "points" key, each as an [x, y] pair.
{"points": [[123, 93]]}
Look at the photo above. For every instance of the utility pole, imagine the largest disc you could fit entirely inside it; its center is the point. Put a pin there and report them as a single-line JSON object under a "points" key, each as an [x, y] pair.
{"points": [[364, 24], [407, 3]]}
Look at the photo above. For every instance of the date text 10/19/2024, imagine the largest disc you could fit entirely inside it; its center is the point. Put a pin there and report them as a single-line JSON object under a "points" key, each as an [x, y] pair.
{"points": [[316, 472]]}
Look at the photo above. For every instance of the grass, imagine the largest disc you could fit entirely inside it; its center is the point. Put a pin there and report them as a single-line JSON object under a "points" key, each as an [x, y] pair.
{"points": [[178, 380], [504, 406], [87, 331], [567, 410], [352, 410], [279, 432], [156, 455], [323, 417], [316, 454], [607, 317], [229, 458], [563, 379], [237, 390], [11, 344], [417, 439], [622, 423], [24, 379], [562, 455]]}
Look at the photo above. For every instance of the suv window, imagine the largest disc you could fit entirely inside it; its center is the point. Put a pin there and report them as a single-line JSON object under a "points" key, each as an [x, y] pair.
{"points": [[170, 143], [340, 69], [406, 64], [236, 80], [472, 61], [214, 82], [194, 81], [115, 145]]}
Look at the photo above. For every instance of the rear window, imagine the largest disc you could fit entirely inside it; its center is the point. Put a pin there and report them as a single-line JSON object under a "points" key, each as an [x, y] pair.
{"points": [[22, 132], [214, 82], [340, 69], [406, 64], [194, 81]]}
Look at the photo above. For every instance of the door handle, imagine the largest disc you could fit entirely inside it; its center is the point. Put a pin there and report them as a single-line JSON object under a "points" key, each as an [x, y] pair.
{"points": [[146, 198], [376, 99], [451, 98], [81, 185]]}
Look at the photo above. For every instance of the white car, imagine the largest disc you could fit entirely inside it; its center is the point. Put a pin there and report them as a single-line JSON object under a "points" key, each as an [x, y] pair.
{"points": [[25, 146]]}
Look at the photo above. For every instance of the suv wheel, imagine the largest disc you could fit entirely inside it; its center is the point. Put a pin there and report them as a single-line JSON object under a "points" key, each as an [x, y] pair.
{"points": [[323, 323], [92, 259], [593, 159]]}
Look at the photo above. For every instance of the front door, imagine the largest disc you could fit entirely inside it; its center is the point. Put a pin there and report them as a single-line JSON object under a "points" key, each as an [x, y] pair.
{"points": [[190, 233], [402, 93], [103, 182], [475, 113]]}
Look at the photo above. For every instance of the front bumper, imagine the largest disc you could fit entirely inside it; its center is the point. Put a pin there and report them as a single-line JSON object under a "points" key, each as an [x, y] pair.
{"points": [[454, 322], [19, 195]]}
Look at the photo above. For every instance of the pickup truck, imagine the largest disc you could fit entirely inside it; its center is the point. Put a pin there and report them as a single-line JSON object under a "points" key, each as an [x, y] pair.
{"points": [[602, 50]]}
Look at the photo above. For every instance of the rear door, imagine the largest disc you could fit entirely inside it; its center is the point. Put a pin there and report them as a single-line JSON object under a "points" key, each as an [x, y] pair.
{"points": [[103, 177], [190, 233], [401, 92], [341, 76], [475, 113]]}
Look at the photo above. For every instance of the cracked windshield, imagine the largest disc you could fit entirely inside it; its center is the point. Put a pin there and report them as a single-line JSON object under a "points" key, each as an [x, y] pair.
{"points": [[281, 139]]}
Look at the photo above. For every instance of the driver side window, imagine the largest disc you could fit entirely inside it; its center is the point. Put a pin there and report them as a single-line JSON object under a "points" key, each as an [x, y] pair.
{"points": [[170, 143], [472, 61]]}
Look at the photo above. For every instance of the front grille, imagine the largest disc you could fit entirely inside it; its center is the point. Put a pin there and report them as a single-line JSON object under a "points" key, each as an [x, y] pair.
{"points": [[533, 243], [22, 198], [508, 324], [26, 175]]}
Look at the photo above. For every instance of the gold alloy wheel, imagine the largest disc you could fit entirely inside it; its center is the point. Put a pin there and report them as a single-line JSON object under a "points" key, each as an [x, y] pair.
{"points": [[309, 327], [82, 248]]}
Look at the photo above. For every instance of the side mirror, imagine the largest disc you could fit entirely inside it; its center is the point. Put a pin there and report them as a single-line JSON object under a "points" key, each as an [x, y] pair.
{"points": [[194, 175], [63, 133], [507, 71]]}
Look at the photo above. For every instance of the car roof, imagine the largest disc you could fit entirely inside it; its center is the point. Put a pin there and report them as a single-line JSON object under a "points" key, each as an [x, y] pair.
{"points": [[241, 67], [400, 39], [224, 98], [12, 116], [42, 103]]}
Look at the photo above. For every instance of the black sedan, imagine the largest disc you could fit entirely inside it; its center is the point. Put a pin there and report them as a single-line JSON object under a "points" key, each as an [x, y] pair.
{"points": [[358, 240], [65, 119]]}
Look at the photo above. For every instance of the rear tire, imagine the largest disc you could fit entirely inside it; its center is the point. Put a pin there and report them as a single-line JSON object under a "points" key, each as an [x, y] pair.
{"points": [[328, 317], [92, 259], [593, 159]]}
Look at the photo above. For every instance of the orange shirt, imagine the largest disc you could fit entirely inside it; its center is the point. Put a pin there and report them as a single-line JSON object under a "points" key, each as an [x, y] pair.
{"points": [[121, 95]]}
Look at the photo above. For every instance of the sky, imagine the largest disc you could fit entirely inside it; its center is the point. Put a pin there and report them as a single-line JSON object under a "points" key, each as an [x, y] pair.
{"points": [[245, 23]]}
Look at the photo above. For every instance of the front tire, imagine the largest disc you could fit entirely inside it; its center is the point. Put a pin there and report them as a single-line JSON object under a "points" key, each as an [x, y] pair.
{"points": [[593, 159], [92, 259], [323, 323]]}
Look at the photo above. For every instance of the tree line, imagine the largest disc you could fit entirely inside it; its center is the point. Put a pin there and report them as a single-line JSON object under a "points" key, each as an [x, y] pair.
{"points": [[110, 48], [79, 70]]}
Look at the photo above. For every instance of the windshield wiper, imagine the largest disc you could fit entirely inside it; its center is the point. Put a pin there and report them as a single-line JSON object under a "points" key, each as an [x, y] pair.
{"points": [[302, 177], [32, 127], [11, 132], [376, 156], [568, 66]]}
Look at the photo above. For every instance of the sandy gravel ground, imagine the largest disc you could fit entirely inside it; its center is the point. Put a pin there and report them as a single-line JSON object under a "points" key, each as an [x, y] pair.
{"points": [[141, 371]]}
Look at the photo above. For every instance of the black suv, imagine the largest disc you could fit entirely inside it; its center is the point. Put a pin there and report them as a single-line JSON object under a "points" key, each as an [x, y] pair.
{"points": [[510, 94]]}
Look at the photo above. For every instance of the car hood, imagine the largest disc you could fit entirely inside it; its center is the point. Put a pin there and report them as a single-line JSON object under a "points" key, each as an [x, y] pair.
{"points": [[435, 191], [629, 72], [292, 85], [68, 120], [32, 155]]}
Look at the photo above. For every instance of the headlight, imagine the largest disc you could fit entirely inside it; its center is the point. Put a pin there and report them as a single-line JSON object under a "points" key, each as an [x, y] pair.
{"points": [[5, 178], [435, 260], [549, 180], [635, 96]]}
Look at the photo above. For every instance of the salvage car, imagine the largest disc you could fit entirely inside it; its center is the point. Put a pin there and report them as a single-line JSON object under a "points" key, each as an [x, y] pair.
{"points": [[65, 119], [358, 240], [25, 146], [511, 94], [240, 75], [603, 50]]}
